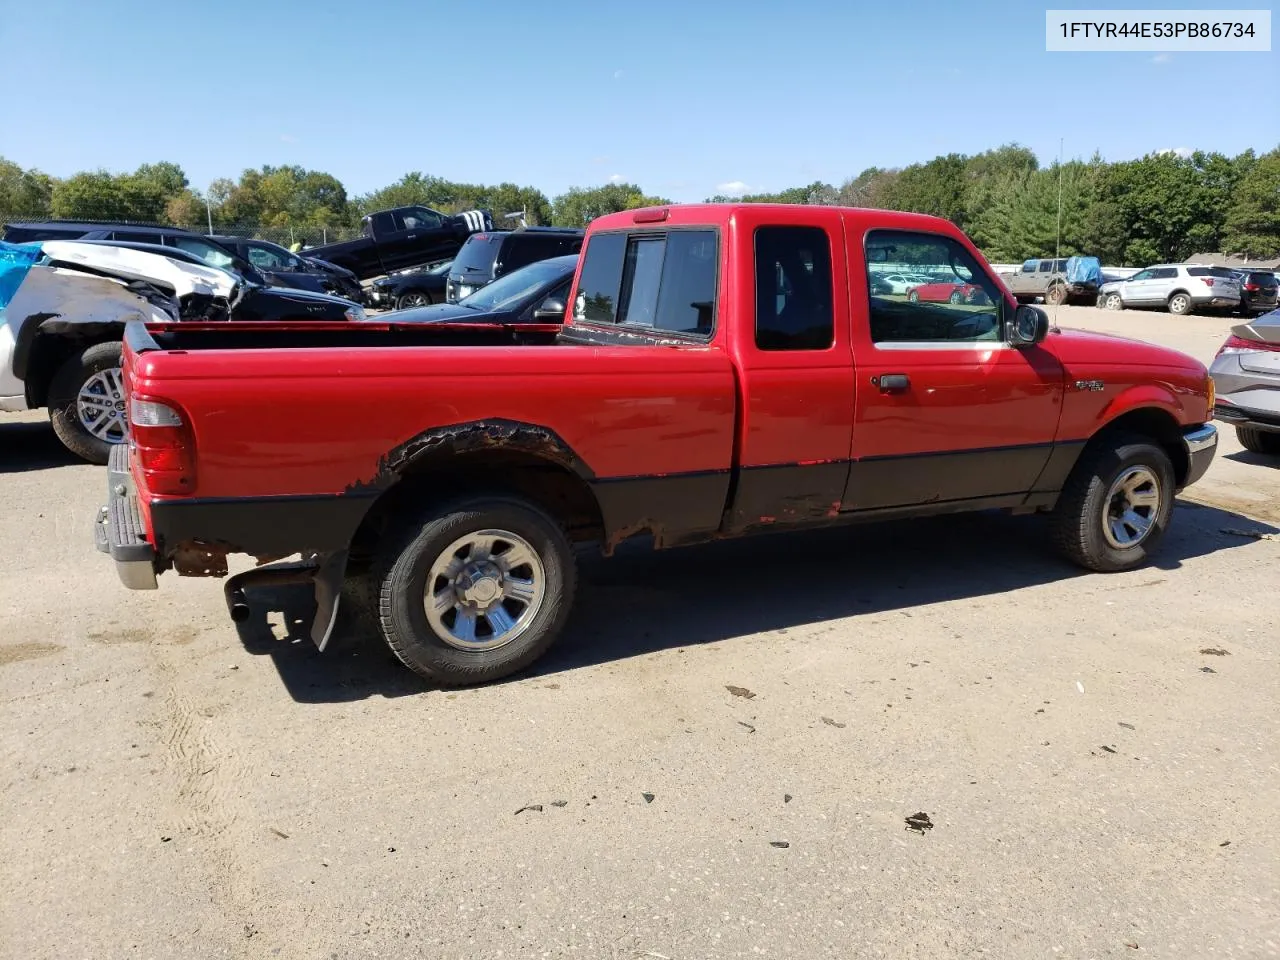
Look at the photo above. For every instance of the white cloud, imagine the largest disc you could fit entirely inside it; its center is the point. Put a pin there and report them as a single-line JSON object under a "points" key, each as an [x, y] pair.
{"points": [[734, 188], [1161, 58], [1183, 152], [617, 74], [616, 178]]}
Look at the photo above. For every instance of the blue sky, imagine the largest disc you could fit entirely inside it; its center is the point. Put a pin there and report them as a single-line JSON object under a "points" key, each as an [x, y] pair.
{"points": [[680, 97]]}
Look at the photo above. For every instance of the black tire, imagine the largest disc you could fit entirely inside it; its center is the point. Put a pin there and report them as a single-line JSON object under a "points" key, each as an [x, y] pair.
{"points": [[1055, 295], [403, 564], [1180, 304], [1077, 521], [957, 297], [63, 405], [913, 297], [414, 298], [1258, 441]]}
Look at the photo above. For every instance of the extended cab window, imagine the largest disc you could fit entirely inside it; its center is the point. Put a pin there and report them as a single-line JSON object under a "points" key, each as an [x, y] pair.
{"points": [[417, 218], [666, 281], [959, 302], [793, 289]]}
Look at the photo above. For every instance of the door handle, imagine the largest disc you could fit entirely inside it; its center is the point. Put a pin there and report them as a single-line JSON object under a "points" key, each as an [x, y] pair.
{"points": [[891, 382]]}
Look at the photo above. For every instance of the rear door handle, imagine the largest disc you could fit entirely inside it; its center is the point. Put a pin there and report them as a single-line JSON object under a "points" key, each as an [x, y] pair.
{"points": [[890, 382]]}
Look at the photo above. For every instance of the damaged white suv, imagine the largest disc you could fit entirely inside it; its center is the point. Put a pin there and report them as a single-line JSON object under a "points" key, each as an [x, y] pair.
{"points": [[63, 308]]}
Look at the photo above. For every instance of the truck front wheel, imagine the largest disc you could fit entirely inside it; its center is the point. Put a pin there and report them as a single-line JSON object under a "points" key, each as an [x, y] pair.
{"points": [[1055, 295], [1115, 505], [86, 402], [475, 590]]}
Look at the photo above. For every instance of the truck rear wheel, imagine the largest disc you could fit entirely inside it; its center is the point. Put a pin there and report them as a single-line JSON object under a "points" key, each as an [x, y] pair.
{"points": [[86, 402], [475, 590], [1258, 441], [1115, 505]]}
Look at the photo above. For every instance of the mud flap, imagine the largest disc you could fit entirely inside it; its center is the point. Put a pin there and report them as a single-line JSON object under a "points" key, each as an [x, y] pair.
{"points": [[328, 590]]}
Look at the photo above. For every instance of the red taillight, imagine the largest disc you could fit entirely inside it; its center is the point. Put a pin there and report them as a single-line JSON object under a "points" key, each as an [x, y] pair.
{"points": [[1251, 287], [163, 446], [1235, 344], [1207, 281]]}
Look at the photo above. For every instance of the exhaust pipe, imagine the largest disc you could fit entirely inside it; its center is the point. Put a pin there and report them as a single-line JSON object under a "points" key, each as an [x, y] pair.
{"points": [[272, 575]]}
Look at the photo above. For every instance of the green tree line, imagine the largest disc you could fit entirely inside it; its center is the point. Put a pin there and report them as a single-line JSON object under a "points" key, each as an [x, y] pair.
{"points": [[1159, 207]]}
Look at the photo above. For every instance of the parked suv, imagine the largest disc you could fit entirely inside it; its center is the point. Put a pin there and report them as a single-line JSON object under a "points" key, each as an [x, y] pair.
{"points": [[487, 256], [1180, 287], [1259, 291]]}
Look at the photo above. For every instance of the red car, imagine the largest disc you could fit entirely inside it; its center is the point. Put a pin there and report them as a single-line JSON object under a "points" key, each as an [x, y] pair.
{"points": [[724, 370], [947, 291]]}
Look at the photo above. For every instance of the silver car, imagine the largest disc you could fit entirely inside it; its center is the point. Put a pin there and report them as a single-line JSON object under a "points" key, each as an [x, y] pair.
{"points": [[1246, 375], [1181, 288]]}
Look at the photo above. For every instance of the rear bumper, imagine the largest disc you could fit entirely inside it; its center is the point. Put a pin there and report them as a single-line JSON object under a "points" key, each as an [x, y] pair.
{"points": [[118, 529], [1244, 417], [1201, 443]]}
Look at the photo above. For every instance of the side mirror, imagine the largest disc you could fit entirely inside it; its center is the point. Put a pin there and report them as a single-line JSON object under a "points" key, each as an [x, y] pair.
{"points": [[1030, 326], [551, 309]]}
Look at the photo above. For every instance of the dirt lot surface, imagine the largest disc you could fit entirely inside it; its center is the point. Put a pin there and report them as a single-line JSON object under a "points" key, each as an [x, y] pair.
{"points": [[717, 761]]}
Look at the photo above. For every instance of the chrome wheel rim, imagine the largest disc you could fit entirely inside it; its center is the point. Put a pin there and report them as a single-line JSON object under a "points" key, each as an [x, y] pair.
{"points": [[100, 406], [1179, 304], [1113, 302], [416, 300], [1133, 504], [484, 590]]}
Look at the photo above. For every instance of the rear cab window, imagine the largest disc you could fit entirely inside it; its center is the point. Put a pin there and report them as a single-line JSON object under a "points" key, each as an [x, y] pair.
{"points": [[653, 280]]}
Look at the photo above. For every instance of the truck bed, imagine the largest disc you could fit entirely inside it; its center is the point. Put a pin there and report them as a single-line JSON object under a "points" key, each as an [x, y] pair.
{"points": [[324, 335]]}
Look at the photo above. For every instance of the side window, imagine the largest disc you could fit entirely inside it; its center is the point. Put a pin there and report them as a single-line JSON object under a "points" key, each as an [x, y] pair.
{"points": [[264, 258], [793, 289], [961, 303], [1142, 275], [1029, 266], [380, 223], [1165, 273], [205, 251], [1046, 266], [127, 237], [417, 218]]}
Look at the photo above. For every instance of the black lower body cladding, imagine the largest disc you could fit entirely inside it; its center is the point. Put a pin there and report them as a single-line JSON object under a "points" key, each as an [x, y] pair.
{"points": [[261, 526]]}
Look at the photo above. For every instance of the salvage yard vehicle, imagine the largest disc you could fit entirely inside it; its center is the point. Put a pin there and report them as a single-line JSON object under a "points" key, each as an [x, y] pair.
{"points": [[1181, 288], [60, 339], [1259, 291], [1064, 280], [724, 370], [416, 287], [283, 268], [487, 256], [1246, 372], [533, 294], [403, 237], [953, 290]]}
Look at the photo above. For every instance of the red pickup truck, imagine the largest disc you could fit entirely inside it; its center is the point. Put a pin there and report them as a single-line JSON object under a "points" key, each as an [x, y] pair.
{"points": [[723, 370]]}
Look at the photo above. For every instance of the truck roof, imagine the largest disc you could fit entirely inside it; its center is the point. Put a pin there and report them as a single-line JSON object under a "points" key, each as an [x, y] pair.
{"points": [[722, 213]]}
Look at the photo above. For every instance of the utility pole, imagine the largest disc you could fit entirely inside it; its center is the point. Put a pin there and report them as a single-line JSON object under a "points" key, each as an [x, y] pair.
{"points": [[209, 213], [1058, 250]]}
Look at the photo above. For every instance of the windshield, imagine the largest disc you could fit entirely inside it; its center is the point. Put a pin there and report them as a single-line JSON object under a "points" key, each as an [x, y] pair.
{"points": [[515, 286]]}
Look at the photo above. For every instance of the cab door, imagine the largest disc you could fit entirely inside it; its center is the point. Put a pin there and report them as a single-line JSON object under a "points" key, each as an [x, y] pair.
{"points": [[795, 367], [945, 411]]}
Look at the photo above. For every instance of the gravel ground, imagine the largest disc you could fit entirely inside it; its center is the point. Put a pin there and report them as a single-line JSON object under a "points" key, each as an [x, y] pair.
{"points": [[717, 761]]}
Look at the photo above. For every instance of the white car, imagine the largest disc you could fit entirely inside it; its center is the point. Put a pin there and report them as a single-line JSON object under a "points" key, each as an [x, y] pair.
{"points": [[902, 282], [1179, 287]]}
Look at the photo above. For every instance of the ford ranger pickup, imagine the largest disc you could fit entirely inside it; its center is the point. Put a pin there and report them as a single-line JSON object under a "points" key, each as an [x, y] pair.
{"points": [[723, 369], [402, 237]]}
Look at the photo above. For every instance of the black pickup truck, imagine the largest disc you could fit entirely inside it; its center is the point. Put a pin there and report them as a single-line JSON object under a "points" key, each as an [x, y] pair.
{"points": [[403, 237]]}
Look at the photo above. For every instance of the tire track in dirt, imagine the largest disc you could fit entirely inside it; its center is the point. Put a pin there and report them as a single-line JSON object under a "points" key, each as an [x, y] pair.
{"points": [[213, 817]]}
